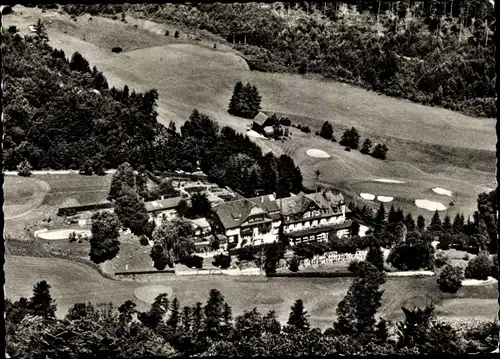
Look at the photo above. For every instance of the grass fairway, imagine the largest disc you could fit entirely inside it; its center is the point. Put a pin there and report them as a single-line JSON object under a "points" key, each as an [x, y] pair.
{"points": [[73, 282]]}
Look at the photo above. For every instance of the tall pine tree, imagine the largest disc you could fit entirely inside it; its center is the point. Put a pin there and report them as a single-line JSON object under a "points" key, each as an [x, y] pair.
{"points": [[421, 223], [41, 303], [435, 225], [409, 222], [297, 319]]}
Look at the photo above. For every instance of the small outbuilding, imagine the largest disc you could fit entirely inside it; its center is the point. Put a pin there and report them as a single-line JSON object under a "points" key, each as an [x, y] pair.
{"points": [[260, 121]]}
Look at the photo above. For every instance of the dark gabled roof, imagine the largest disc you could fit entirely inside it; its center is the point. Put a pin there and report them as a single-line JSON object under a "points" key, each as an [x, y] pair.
{"points": [[322, 229], [267, 202], [326, 200], [233, 213], [163, 204], [260, 118], [293, 205]]}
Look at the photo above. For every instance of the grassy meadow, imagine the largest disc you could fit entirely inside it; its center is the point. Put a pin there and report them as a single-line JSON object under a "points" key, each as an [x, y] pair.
{"points": [[74, 282]]}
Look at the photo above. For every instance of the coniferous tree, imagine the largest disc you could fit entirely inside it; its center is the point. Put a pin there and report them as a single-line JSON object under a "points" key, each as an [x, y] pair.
{"points": [[214, 310], [380, 218], [41, 32], [420, 223], [392, 215], [356, 312], [458, 223], [435, 224], [235, 104], [298, 317], [409, 223], [41, 303], [447, 223], [367, 145], [326, 130], [375, 257], [173, 320], [186, 319], [79, 63], [270, 323], [227, 315], [197, 318]]}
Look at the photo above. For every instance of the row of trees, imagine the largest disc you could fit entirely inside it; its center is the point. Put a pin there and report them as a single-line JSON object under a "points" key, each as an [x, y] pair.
{"points": [[350, 139], [168, 329]]}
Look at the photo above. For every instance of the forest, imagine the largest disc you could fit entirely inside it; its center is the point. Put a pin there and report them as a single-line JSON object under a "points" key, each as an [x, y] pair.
{"points": [[435, 52], [60, 114]]}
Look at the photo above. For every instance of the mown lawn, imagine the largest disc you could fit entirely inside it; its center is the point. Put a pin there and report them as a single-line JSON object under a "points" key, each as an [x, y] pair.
{"points": [[74, 282]]}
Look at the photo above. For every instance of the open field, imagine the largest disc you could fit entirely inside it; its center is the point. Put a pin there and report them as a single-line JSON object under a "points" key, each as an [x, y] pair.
{"points": [[73, 282], [29, 200]]}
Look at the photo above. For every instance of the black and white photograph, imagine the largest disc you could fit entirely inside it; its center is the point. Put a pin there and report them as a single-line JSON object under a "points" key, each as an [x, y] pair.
{"points": [[236, 179]]}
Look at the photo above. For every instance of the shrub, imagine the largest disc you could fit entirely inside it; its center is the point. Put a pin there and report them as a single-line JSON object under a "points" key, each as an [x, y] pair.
{"points": [[222, 261], [167, 33], [193, 261], [450, 279], [143, 240], [353, 266], [117, 49], [12, 29], [466, 257], [215, 244], [285, 121], [115, 17], [479, 267], [7, 10], [24, 169], [176, 34], [305, 129], [440, 260], [380, 151], [348, 149], [294, 264], [246, 254]]}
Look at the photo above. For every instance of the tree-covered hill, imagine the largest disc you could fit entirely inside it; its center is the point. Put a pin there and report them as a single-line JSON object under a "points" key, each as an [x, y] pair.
{"points": [[434, 51], [60, 114]]}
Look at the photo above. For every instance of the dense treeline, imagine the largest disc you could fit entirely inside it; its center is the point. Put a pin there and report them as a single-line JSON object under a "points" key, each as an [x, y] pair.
{"points": [[60, 114], [227, 157], [169, 329], [433, 52]]}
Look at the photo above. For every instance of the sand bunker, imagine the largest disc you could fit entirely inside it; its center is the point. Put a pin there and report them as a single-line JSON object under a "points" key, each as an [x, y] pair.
{"points": [[252, 133], [317, 153], [473, 282], [442, 191], [385, 198], [63, 234], [430, 205], [149, 293], [384, 180], [367, 196]]}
